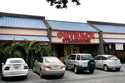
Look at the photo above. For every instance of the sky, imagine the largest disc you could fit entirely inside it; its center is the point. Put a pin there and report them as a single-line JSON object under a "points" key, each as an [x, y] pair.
{"points": [[94, 10]]}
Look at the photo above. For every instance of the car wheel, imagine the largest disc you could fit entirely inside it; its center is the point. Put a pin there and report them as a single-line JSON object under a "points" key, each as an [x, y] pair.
{"points": [[91, 71], [61, 75], [25, 77], [76, 69], [2, 77], [105, 68], [67, 67], [118, 69]]}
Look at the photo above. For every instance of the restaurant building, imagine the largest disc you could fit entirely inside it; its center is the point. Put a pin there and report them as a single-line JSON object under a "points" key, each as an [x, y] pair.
{"points": [[73, 37], [65, 37]]}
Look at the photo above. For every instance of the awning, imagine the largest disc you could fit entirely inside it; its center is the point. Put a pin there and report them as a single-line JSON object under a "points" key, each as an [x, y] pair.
{"points": [[24, 38], [114, 40], [71, 26]]}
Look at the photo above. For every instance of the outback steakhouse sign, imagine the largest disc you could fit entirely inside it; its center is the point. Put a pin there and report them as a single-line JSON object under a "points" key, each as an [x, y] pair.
{"points": [[75, 37]]}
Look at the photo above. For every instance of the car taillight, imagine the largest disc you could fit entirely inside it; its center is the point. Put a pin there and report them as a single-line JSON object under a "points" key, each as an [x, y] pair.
{"points": [[62, 67], [26, 67], [6, 68], [47, 67]]}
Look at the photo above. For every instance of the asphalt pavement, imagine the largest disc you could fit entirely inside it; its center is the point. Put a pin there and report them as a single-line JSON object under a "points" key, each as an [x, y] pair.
{"points": [[70, 76]]}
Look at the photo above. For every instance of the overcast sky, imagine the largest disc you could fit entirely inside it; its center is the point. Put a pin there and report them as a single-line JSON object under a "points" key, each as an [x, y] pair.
{"points": [[97, 10]]}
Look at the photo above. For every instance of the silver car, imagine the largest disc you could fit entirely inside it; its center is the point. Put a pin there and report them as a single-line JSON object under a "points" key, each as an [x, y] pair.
{"points": [[49, 66], [108, 62]]}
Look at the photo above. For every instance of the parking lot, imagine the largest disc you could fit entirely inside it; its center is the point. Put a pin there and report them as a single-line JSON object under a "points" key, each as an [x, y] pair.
{"points": [[69, 75]]}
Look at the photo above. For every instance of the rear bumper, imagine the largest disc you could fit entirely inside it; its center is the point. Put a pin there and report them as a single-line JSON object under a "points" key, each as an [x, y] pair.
{"points": [[86, 68], [53, 72], [15, 73]]}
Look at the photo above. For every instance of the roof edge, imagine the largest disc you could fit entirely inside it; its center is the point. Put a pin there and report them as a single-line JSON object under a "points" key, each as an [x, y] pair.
{"points": [[21, 15], [67, 21], [105, 23]]}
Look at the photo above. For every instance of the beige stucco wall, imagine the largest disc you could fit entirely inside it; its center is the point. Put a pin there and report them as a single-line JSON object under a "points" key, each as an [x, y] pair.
{"points": [[23, 31], [109, 35]]}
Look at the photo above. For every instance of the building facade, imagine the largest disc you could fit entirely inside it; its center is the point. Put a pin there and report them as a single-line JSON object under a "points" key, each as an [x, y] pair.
{"points": [[18, 27], [73, 37], [64, 37], [113, 37]]}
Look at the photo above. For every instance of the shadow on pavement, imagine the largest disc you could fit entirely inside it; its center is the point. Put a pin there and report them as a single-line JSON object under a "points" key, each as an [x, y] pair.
{"points": [[14, 79]]}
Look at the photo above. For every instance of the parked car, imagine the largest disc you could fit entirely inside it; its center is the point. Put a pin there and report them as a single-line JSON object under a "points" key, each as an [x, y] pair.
{"points": [[49, 66], [80, 61], [14, 67], [108, 62]]}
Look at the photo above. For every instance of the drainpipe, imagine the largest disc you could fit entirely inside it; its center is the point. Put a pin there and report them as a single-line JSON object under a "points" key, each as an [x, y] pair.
{"points": [[49, 31], [100, 33]]}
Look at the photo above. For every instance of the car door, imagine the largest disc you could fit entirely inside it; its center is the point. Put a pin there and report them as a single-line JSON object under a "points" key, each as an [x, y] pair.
{"points": [[103, 61], [98, 61], [71, 61]]}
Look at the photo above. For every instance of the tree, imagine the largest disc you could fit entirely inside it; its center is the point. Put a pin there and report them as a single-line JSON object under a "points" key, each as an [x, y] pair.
{"points": [[30, 51], [61, 3]]}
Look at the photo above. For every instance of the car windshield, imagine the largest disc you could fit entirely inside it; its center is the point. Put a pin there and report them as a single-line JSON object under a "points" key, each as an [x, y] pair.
{"points": [[83, 57], [112, 57], [52, 60], [16, 61]]}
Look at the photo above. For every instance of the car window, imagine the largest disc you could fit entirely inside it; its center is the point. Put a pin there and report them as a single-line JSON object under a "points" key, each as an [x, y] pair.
{"points": [[112, 58], [86, 57], [78, 57], [72, 57], [52, 60], [103, 58], [16, 61], [98, 58], [40, 59]]}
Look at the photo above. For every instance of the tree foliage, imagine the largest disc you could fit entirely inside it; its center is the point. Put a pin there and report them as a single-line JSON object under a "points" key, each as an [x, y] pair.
{"points": [[27, 50], [62, 3]]}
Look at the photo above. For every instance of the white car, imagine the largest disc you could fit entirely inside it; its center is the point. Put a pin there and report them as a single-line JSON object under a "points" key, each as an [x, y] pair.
{"points": [[108, 62], [14, 67], [49, 66]]}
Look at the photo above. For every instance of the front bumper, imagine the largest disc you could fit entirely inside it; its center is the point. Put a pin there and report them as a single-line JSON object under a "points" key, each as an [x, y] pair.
{"points": [[114, 67]]}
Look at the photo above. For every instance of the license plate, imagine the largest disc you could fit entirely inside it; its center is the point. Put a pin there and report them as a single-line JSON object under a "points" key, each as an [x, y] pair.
{"points": [[56, 67], [16, 66]]}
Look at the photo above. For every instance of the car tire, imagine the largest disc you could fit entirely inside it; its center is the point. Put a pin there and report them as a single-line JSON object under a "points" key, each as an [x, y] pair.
{"points": [[67, 68], [91, 71], [60, 76], [105, 68], [118, 69], [25, 77], [76, 69], [2, 77]]}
